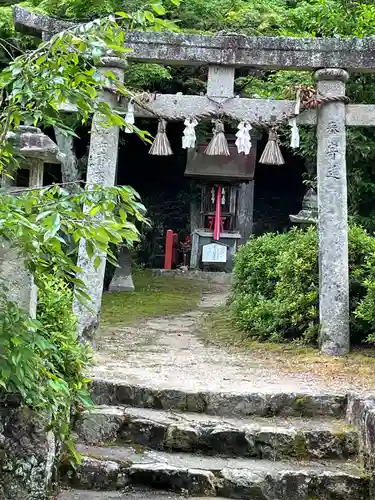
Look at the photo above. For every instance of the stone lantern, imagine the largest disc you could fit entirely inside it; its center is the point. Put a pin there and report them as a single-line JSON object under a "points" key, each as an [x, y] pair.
{"points": [[308, 215], [34, 148]]}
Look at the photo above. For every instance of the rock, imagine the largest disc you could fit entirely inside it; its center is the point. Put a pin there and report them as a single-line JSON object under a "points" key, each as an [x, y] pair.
{"points": [[95, 473], [361, 413], [233, 478], [219, 403], [191, 481], [136, 494], [251, 437], [27, 455], [100, 425], [143, 432], [182, 437], [17, 280], [292, 485]]}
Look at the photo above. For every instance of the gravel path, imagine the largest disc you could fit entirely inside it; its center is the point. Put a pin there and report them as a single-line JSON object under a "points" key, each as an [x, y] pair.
{"points": [[167, 353]]}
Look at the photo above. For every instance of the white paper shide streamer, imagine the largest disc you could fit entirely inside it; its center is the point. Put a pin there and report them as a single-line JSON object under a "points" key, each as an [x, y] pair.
{"points": [[129, 118], [243, 141], [294, 135], [189, 138], [297, 107]]}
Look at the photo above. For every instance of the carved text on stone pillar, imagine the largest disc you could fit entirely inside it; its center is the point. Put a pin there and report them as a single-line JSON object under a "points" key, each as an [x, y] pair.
{"points": [[334, 151], [333, 128]]}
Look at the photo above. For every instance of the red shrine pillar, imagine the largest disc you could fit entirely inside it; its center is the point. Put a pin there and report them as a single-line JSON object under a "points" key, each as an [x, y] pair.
{"points": [[217, 225]]}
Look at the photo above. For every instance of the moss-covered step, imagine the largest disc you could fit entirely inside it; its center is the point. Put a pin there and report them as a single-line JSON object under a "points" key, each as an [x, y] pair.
{"points": [[111, 468], [266, 438], [228, 404]]}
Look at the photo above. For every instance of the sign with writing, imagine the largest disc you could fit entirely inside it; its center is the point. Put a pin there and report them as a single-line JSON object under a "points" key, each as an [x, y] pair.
{"points": [[214, 253]]}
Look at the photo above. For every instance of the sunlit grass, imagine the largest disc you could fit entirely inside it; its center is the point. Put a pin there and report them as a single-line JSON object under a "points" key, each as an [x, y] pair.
{"points": [[154, 296]]}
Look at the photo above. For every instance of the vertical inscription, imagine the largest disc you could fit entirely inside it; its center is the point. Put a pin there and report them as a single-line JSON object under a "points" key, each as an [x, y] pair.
{"points": [[334, 150]]}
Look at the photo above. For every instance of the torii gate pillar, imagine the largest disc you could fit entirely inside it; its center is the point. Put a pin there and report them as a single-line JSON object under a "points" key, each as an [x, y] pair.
{"points": [[334, 334], [101, 169]]}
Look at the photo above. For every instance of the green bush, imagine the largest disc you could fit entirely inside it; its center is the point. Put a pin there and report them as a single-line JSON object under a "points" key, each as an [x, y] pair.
{"points": [[43, 361], [68, 358], [275, 293]]}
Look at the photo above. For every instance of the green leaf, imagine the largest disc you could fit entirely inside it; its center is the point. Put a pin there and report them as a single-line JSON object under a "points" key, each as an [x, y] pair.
{"points": [[119, 48], [90, 248], [149, 16], [158, 8], [43, 215], [94, 210], [97, 261], [124, 15]]}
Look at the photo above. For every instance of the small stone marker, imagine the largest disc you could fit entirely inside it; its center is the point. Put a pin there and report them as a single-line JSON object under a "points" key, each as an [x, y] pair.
{"points": [[214, 252], [122, 280]]}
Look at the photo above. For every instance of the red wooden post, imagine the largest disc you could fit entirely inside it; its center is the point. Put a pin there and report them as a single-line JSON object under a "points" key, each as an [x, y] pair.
{"points": [[217, 215], [168, 258]]}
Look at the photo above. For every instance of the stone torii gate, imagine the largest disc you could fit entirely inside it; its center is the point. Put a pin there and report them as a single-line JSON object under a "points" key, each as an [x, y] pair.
{"points": [[331, 60]]}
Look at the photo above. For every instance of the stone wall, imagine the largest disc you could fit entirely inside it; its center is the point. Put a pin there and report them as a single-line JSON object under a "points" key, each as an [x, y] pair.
{"points": [[27, 453], [15, 280], [361, 413]]}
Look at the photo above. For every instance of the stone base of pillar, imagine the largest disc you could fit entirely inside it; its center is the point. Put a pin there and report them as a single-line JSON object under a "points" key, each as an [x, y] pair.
{"points": [[122, 280]]}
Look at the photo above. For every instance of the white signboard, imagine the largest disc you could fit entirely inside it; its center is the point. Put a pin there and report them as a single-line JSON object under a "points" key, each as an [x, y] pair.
{"points": [[214, 253]]}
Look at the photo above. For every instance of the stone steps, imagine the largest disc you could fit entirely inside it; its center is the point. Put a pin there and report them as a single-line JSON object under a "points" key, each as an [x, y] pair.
{"points": [[110, 392], [115, 468], [265, 438], [249, 446], [122, 495]]}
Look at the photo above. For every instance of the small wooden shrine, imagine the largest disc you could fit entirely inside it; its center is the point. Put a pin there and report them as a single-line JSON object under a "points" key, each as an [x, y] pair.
{"points": [[220, 180]]}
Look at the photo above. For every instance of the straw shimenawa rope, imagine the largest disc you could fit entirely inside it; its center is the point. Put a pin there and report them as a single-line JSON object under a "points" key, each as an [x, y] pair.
{"points": [[218, 145], [272, 153], [308, 100], [161, 145]]}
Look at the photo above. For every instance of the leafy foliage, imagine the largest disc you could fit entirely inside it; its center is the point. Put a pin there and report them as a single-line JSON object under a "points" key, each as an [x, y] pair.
{"points": [[276, 286], [146, 76], [46, 225], [140, 13], [36, 84], [42, 359]]}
